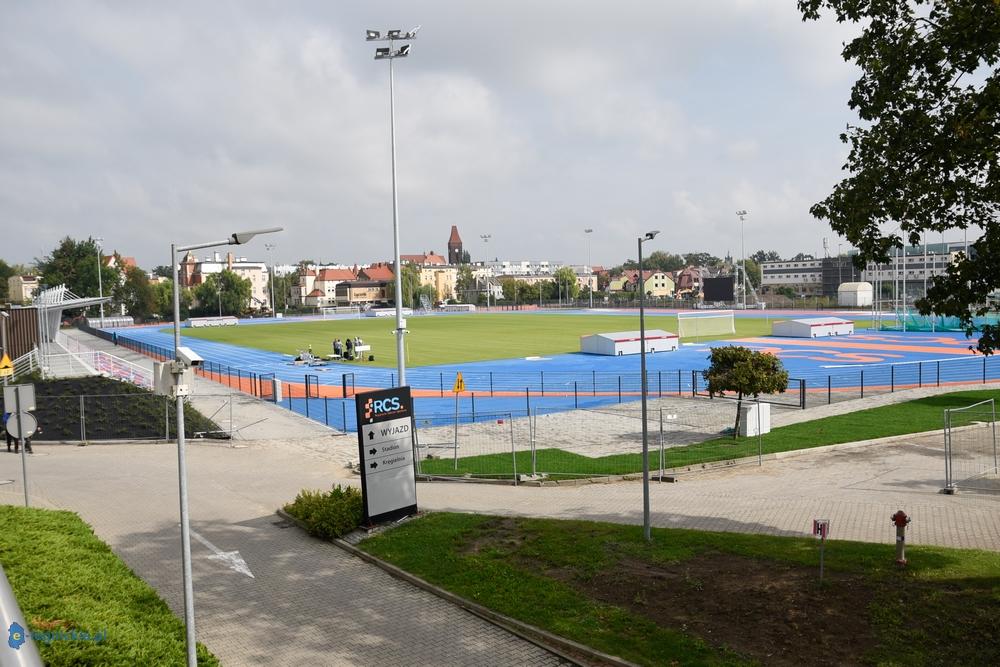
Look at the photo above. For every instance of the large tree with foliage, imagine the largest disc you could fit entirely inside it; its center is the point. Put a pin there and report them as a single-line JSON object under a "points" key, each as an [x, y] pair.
{"points": [[564, 284], [136, 294], [746, 372], [410, 279], [75, 264], [465, 285], [762, 256], [926, 153], [224, 290]]}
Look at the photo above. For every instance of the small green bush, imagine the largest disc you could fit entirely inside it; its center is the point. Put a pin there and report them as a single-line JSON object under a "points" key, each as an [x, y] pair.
{"points": [[328, 515]]}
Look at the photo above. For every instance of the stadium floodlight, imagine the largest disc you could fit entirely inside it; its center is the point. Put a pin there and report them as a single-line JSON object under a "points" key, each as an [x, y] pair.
{"points": [[179, 366], [390, 55], [588, 231], [742, 213], [646, 529]]}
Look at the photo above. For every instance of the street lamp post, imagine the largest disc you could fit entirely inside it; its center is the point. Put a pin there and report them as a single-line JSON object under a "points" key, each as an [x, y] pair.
{"points": [[486, 280], [269, 247], [3, 333], [177, 370], [742, 213], [590, 268], [100, 283], [649, 236], [390, 53]]}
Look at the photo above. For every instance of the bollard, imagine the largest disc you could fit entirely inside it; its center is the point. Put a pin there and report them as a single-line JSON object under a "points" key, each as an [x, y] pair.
{"points": [[900, 520]]}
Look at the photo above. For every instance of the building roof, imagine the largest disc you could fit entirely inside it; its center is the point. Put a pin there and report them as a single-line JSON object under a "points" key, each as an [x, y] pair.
{"points": [[430, 257], [633, 274], [628, 336], [336, 275], [377, 272], [316, 292], [454, 238]]}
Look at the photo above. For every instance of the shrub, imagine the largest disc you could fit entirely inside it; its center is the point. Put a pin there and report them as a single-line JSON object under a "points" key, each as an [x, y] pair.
{"points": [[328, 515]]}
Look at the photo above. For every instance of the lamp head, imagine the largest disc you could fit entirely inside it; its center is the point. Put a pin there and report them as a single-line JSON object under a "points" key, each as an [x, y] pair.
{"points": [[741, 212], [381, 53], [239, 238], [403, 51], [372, 35], [651, 235]]}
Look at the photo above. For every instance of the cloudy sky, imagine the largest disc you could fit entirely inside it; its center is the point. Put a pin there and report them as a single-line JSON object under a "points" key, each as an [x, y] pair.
{"points": [[152, 122]]}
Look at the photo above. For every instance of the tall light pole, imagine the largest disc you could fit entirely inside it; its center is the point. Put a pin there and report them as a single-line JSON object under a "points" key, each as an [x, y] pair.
{"points": [[100, 283], [177, 369], [742, 213], [3, 332], [390, 53], [649, 236], [269, 247], [590, 288], [486, 280]]}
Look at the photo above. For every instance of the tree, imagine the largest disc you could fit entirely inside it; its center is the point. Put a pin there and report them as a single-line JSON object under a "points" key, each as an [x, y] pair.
{"points": [[762, 256], [564, 283], [753, 272], [701, 259], [6, 272], [164, 271], [465, 284], [746, 372], [224, 290], [410, 281], [466, 257], [802, 257], [75, 265], [926, 154], [163, 295], [136, 294], [663, 261]]}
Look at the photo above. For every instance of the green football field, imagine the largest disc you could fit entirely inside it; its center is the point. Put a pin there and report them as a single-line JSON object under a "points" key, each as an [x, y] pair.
{"points": [[453, 338]]}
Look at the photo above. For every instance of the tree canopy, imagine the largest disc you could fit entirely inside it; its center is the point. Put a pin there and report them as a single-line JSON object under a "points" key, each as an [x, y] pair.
{"points": [[926, 153], [225, 291], [75, 264], [744, 371]]}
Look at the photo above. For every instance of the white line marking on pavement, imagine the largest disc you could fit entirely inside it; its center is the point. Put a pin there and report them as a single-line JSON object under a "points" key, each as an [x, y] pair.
{"points": [[231, 559]]}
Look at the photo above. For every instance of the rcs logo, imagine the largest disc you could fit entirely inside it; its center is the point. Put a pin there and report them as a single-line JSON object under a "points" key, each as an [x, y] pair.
{"points": [[373, 407]]}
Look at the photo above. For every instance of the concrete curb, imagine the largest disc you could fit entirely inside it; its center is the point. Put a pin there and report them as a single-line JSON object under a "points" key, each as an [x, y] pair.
{"points": [[566, 649]]}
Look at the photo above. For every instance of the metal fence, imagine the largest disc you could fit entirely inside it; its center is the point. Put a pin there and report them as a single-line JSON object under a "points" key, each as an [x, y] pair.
{"points": [[129, 416], [682, 435], [970, 446]]}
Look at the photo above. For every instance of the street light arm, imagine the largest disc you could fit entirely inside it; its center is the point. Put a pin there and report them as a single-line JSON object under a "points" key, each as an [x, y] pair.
{"points": [[237, 238]]}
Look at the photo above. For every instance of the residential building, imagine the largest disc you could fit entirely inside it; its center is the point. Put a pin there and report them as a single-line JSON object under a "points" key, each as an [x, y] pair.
{"points": [[429, 258], [21, 289], [441, 278], [805, 277], [193, 272], [361, 292], [381, 271], [689, 283], [654, 283]]}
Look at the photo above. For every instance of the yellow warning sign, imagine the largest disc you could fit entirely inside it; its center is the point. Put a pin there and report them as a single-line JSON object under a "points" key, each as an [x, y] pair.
{"points": [[6, 366], [459, 384]]}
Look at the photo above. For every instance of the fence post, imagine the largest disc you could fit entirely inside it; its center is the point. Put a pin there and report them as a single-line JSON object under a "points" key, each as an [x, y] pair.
{"points": [[694, 383], [326, 411], [593, 382], [659, 384], [862, 383], [939, 373], [576, 402], [892, 378], [542, 373], [491, 383], [166, 418], [920, 374], [343, 414], [473, 407], [83, 421], [442, 384], [527, 400], [619, 388], [829, 390], [984, 370], [802, 400], [678, 382]]}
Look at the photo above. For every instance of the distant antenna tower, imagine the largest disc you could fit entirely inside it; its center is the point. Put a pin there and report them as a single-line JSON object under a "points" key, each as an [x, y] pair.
{"points": [[826, 249]]}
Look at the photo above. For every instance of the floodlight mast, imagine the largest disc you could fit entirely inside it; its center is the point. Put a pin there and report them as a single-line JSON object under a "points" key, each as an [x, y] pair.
{"points": [[387, 53], [646, 527], [742, 213]]}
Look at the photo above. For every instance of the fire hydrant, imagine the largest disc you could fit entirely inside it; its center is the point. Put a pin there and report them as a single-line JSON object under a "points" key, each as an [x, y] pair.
{"points": [[900, 520]]}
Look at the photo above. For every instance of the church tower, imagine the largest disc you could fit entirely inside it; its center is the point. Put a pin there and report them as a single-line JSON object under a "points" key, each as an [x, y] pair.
{"points": [[454, 246]]}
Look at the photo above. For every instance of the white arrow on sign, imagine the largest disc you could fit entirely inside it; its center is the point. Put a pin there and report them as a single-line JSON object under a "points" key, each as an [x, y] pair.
{"points": [[231, 559]]}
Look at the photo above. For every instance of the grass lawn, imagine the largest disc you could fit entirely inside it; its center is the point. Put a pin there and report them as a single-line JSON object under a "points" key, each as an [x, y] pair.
{"points": [[698, 598], [453, 338], [67, 579], [924, 414]]}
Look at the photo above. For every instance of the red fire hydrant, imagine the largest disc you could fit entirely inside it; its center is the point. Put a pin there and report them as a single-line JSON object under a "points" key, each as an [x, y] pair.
{"points": [[900, 520]]}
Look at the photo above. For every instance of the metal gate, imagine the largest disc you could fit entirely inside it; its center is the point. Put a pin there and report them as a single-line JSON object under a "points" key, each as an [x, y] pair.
{"points": [[265, 386], [970, 448]]}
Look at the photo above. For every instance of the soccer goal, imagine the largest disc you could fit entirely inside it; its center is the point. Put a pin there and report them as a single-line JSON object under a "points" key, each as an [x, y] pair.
{"points": [[333, 312], [705, 324]]}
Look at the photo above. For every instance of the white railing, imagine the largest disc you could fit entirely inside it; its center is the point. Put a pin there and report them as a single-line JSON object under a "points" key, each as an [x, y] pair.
{"points": [[96, 362], [26, 363]]}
